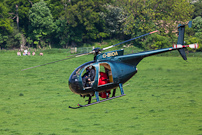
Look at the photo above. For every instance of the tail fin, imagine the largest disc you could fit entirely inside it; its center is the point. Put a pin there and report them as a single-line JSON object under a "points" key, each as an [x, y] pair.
{"points": [[182, 53], [181, 29]]}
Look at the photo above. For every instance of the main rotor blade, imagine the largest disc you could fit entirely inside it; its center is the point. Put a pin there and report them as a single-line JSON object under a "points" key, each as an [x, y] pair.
{"points": [[68, 57], [84, 54], [129, 40]]}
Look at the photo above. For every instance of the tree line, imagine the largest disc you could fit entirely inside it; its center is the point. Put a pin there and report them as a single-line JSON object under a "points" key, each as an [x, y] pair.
{"points": [[64, 23]]}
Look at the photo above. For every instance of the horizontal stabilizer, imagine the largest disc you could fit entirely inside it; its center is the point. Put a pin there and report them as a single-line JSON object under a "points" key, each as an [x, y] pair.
{"points": [[193, 46]]}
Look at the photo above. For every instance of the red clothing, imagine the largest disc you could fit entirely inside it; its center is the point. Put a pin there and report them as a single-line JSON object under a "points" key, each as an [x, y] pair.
{"points": [[103, 79]]}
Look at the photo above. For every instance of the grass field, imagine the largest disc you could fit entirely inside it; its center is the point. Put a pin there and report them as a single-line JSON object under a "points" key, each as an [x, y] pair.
{"points": [[163, 98]]}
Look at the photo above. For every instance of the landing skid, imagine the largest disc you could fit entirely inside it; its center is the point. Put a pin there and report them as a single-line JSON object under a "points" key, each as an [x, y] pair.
{"points": [[79, 105], [98, 100]]}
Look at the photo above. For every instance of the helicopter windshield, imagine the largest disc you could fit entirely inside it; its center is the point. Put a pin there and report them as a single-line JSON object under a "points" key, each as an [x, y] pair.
{"points": [[75, 80], [77, 72]]}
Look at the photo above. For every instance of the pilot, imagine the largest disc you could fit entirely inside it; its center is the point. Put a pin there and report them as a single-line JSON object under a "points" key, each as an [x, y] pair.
{"points": [[88, 76]]}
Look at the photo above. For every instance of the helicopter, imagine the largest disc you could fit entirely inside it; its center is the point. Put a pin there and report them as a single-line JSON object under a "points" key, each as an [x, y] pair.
{"points": [[110, 70]]}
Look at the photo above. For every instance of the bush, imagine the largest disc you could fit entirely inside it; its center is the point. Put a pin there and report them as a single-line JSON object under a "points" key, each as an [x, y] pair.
{"points": [[156, 41]]}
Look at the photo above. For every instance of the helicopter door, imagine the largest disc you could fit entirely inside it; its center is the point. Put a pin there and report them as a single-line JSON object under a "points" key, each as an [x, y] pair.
{"points": [[105, 74]]}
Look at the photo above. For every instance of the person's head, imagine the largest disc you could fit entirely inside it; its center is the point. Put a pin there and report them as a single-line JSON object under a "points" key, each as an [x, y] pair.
{"points": [[88, 68]]}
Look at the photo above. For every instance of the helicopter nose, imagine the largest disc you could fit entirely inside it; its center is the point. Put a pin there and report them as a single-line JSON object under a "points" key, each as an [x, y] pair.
{"points": [[75, 85]]}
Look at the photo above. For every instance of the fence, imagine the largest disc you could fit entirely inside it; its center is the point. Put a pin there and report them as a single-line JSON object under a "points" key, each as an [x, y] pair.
{"points": [[81, 49]]}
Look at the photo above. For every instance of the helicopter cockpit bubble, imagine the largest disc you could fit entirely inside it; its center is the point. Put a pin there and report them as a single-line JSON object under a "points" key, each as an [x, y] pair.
{"points": [[75, 80]]}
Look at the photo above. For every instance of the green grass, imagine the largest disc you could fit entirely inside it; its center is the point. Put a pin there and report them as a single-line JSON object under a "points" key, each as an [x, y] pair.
{"points": [[163, 98]]}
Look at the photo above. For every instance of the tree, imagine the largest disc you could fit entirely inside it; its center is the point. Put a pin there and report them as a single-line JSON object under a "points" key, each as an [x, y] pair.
{"points": [[85, 16], [197, 27], [5, 24], [5, 21], [197, 9], [147, 15], [23, 9], [139, 16], [57, 7], [66, 34], [114, 18], [41, 24], [15, 39], [197, 24], [3, 39], [156, 41]]}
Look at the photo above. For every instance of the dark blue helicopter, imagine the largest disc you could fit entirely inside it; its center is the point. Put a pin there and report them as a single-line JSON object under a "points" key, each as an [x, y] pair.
{"points": [[116, 69], [112, 69]]}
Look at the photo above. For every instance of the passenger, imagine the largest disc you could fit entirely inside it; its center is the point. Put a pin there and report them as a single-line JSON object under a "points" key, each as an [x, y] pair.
{"points": [[88, 77], [103, 79]]}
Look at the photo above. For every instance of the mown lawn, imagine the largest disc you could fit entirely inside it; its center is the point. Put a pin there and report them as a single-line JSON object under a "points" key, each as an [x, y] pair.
{"points": [[163, 98]]}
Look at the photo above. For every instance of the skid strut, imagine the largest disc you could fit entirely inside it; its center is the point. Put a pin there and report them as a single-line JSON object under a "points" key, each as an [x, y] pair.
{"points": [[89, 99], [114, 92]]}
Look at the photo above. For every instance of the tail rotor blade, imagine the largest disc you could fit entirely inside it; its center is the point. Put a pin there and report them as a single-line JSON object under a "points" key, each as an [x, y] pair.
{"points": [[193, 46]]}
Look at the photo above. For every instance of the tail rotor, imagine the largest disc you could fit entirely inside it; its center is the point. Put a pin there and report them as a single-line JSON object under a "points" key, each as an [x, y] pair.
{"points": [[180, 43]]}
